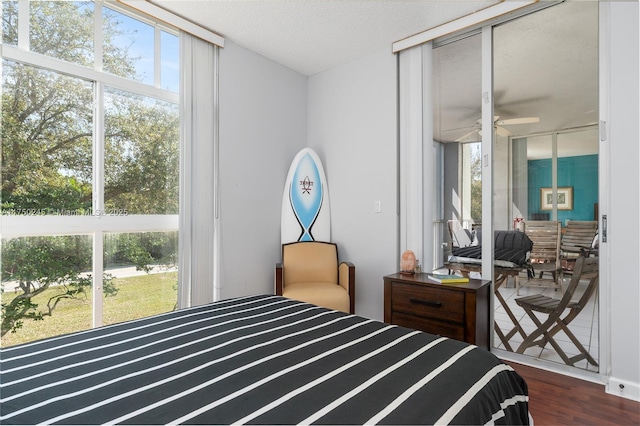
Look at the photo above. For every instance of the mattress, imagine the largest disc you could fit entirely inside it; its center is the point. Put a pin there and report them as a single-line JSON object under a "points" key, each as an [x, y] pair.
{"points": [[257, 360]]}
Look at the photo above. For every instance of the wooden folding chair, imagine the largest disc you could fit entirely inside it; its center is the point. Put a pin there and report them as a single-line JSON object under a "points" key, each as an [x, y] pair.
{"points": [[545, 255], [577, 240], [555, 308]]}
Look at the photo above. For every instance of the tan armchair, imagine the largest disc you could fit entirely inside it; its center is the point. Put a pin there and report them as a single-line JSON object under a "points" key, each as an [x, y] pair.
{"points": [[309, 272]]}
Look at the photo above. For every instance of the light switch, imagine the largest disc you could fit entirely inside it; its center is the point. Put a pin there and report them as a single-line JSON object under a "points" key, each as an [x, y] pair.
{"points": [[377, 208]]}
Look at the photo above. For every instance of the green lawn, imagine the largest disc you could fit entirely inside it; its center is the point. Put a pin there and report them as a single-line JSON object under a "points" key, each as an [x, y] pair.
{"points": [[137, 297]]}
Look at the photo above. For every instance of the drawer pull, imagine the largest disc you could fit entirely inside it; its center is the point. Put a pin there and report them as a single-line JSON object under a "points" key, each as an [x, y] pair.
{"points": [[426, 302]]}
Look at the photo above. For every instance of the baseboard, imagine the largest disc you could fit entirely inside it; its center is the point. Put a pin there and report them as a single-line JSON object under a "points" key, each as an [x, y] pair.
{"points": [[623, 389]]}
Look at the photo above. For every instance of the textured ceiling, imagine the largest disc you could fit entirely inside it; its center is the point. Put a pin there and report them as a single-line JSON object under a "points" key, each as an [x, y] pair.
{"points": [[310, 36]]}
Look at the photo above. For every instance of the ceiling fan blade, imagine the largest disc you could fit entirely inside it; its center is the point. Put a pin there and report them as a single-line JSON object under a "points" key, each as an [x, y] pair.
{"points": [[455, 129], [501, 131], [465, 137], [521, 120]]}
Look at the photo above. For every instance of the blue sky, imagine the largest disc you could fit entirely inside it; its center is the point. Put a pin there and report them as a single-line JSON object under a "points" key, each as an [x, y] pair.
{"points": [[138, 37]]}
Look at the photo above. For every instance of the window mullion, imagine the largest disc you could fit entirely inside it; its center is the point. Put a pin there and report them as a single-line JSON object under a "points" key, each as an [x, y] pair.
{"points": [[157, 59], [97, 37], [98, 149], [85, 73], [98, 199], [23, 24], [98, 269]]}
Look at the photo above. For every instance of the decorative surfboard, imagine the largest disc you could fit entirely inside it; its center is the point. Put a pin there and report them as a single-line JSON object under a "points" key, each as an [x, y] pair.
{"points": [[305, 202]]}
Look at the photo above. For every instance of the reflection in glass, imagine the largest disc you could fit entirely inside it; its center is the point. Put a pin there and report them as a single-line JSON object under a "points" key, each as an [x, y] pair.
{"points": [[47, 128], [472, 183], [577, 169], [46, 287], [457, 110], [141, 154], [538, 167], [545, 165], [143, 267]]}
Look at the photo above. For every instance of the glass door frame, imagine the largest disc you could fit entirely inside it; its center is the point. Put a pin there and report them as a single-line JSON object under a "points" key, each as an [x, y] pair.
{"points": [[488, 140], [458, 29]]}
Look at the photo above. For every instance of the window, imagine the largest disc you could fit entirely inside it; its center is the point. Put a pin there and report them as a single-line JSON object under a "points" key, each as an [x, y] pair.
{"points": [[90, 167], [472, 183]]}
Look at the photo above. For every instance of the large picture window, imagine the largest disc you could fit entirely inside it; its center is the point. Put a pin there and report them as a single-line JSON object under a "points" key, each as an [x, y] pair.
{"points": [[90, 167]]}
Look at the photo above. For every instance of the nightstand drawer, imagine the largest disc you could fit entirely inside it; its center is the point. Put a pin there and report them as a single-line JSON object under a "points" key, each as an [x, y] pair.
{"points": [[434, 303], [445, 329], [458, 311]]}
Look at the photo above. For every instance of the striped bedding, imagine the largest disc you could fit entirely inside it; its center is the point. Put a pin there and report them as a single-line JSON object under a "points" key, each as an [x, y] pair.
{"points": [[257, 360]]}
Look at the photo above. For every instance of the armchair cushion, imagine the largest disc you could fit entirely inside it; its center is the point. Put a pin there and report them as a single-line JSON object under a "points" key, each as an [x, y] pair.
{"points": [[329, 295]]}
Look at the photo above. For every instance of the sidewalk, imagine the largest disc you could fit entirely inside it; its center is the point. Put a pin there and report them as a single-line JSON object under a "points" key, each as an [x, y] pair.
{"points": [[122, 272]]}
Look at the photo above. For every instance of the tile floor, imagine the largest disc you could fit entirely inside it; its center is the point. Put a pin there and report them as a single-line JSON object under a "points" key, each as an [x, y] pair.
{"points": [[584, 326]]}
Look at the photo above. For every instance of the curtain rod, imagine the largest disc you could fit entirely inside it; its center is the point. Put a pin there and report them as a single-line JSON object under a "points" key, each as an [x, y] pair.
{"points": [[174, 20], [466, 21]]}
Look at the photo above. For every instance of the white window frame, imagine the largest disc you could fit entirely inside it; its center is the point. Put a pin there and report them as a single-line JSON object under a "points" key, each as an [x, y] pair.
{"points": [[94, 226]]}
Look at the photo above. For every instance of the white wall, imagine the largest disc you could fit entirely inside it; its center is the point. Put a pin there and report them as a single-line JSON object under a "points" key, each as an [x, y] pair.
{"points": [[263, 124], [624, 194], [352, 127]]}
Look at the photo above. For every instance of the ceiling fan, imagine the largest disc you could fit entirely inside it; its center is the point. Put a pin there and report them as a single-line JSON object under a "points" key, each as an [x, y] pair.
{"points": [[498, 126]]}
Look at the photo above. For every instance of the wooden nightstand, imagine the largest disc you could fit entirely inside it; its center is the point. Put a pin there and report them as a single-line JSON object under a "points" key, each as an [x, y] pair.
{"points": [[458, 311]]}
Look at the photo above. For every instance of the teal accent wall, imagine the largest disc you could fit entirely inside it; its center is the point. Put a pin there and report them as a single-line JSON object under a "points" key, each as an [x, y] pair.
{"points": [[579, 172]]}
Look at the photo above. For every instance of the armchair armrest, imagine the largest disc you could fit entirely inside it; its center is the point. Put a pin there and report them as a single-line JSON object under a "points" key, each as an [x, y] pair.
{"points": [[278, 279], [347, 279]]}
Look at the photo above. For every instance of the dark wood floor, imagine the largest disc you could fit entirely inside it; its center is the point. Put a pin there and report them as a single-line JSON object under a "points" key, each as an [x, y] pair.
{"points": [[555, 399]]}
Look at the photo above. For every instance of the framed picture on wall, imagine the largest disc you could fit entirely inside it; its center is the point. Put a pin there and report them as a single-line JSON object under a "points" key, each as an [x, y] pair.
{"points": [[564, 200]]}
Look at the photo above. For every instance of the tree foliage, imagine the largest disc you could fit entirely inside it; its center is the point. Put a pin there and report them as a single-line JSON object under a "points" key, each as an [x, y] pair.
{"points": [[25, 261], [47, 156], [476, 186]]}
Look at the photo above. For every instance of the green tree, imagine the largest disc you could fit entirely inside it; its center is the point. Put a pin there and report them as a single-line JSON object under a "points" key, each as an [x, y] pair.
{"points": [[476, 185], [141, 155], [62, 258], [47, 152]]}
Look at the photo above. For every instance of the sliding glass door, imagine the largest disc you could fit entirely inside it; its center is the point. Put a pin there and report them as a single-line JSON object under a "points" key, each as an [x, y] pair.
{"points": [[457, 112], [522, 163], [545, 172]]}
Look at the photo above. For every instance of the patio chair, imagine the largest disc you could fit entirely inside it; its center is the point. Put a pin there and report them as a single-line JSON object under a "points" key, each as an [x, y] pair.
{"points": [[460, 237], [586, 268], [578, 239], [545, 255]]}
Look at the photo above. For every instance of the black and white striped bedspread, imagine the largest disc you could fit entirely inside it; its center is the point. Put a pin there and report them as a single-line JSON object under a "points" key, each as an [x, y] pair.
{"points": [[259, 359]]}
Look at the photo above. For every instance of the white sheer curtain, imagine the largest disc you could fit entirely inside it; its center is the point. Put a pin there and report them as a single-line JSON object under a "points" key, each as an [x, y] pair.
{"points": [[199, 219]]}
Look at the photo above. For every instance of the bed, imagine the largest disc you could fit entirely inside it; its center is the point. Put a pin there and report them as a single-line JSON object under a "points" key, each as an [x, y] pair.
{"points": [[257, 360]]}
